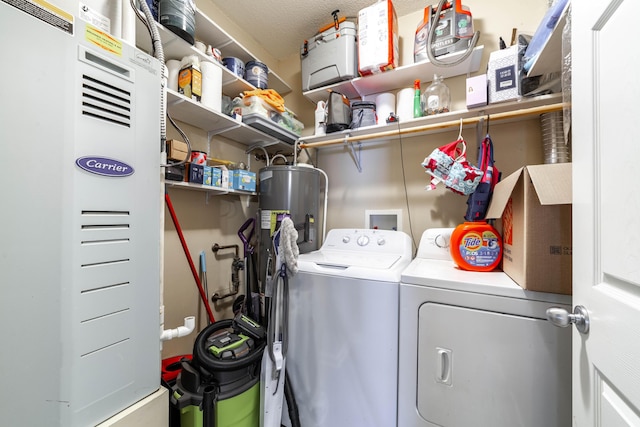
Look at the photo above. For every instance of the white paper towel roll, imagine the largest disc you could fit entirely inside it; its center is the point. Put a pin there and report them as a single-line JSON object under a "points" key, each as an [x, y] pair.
{"points": [[404, 104], [173, 69], [211, 85], [385, 105]]}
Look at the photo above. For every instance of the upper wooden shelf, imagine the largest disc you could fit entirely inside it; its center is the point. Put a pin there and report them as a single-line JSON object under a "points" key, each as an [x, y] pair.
{"points": [[501, 112], [398, 78], [209, 33]]}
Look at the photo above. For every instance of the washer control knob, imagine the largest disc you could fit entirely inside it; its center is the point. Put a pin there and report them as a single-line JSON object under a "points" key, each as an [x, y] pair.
{"points": [[346, 239], [363, 240], [441, 241], [381, 241]]}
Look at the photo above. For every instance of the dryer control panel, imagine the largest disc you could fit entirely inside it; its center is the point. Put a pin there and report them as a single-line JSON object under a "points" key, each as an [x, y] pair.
{"points": [[435, 244]]}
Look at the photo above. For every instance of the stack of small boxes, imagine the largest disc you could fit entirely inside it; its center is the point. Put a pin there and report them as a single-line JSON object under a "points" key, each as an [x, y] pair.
{"points": [[205, 172]]}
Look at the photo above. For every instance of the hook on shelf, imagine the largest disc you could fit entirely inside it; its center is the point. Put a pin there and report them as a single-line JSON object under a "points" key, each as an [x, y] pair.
{"points": [[356, 156]]}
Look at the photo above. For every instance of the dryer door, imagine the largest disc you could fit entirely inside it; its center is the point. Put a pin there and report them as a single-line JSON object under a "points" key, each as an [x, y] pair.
{"points": [[480, 367]]}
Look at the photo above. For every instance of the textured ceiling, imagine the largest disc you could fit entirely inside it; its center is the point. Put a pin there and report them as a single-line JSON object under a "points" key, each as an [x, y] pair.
{"points": [[282, 25]]}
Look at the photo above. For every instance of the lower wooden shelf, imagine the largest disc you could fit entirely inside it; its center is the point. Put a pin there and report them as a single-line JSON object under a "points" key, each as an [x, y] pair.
{"points": [[208, 188]]}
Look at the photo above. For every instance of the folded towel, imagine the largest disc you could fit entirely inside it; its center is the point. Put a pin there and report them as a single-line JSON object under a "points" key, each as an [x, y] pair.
{"points": [[270, 96], [288, 247]]}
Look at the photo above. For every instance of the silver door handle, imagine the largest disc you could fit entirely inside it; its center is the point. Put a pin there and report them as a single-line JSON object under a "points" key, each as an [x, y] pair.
{"points": [[562, 318]]}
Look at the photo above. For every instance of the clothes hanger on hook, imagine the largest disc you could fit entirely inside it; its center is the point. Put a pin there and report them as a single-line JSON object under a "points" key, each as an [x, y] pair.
{"points": [[460, 134]]}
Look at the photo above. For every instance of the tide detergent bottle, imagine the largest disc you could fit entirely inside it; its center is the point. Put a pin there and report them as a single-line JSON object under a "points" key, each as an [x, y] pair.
{"points": [[476, 246]]}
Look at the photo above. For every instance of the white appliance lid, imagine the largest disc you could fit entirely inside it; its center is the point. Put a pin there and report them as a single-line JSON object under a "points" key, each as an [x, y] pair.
{"points": [[443, 274], [352, 259]]}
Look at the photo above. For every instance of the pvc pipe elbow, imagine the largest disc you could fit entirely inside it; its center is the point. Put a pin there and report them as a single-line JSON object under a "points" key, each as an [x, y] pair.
{"points": [[180, 331]]}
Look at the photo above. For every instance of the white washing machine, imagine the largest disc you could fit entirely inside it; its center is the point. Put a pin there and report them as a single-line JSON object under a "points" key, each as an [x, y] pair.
{"points": [[342, 357], [476, 349]]}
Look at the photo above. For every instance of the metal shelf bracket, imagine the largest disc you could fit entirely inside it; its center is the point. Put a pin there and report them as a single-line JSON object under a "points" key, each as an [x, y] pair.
{"points": [[356, 155]]}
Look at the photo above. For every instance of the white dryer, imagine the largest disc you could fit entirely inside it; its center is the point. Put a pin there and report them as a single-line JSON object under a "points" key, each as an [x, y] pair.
{"points": [[476, 349], [342, 357]]}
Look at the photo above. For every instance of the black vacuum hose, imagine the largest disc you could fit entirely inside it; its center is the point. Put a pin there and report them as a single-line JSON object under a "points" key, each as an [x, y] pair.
{"points": [[294, 416]]}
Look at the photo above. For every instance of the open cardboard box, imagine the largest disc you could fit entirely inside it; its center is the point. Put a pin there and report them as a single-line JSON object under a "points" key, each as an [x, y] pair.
{"points": [[177, 150], [534, 204]]}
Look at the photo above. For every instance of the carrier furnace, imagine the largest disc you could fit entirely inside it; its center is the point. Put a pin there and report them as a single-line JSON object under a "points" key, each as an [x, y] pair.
{"points": [[80, 219]]}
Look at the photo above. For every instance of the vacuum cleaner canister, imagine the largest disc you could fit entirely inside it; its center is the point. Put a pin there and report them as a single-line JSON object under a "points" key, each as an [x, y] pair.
{"points": [[221, 383]]}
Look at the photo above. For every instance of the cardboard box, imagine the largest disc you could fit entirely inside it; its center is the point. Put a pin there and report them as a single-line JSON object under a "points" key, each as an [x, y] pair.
{"points": [[244, 180], [177, 150], [196, 173], [477, 91], [190, 82], [206, 180], [503, 75], [378, 39], [535, 206], [216, 177], [225, 180]]}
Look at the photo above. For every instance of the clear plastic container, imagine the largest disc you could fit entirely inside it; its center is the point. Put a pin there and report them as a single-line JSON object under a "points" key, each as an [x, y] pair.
{"points": [[256, 105], [436, 98]]}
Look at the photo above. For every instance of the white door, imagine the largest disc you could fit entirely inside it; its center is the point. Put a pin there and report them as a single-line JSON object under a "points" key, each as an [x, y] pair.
{"points": [[606, 210]]}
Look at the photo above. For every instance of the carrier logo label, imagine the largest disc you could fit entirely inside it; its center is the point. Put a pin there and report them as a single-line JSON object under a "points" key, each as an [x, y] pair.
{"points": [[104, 166]]}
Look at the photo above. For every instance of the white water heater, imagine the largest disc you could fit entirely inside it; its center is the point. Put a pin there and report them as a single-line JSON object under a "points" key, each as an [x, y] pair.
{"points": [[80, 219]]}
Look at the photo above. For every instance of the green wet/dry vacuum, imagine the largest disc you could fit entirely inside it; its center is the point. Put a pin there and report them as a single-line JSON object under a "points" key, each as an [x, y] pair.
{"points": [[220, 386]]}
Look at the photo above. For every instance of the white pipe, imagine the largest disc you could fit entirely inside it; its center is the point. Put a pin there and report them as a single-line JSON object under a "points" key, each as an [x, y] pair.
{"points": [[180, 331], [253, 147], [282, 156]]}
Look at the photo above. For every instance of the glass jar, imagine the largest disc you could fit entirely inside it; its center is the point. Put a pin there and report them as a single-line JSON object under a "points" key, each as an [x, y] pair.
{"points": [[436, 98]]}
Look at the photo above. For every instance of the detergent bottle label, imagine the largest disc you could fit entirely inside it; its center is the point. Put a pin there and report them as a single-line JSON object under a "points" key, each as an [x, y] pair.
{"points": [[480, 248], [476, 246]]}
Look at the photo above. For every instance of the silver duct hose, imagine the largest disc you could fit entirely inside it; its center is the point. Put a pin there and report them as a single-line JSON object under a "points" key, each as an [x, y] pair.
{"points": [[158, 53], [432, 33]]}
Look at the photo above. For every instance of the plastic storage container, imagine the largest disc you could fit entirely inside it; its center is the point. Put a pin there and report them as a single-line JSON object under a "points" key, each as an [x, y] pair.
{"points": [[259, 114], [235, 65], [179, 17], [257, 74], [329, 57], [476, 246]]}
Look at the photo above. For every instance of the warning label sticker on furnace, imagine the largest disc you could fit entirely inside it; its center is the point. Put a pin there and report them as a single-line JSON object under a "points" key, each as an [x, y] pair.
{"points": [[46, 12], [103, 40]]}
